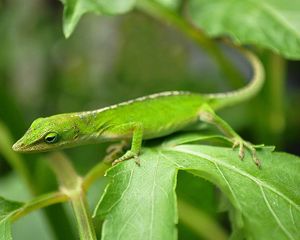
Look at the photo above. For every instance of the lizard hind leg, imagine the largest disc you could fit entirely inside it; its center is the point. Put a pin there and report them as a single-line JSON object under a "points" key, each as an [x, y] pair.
{"points": [[207, 115]]}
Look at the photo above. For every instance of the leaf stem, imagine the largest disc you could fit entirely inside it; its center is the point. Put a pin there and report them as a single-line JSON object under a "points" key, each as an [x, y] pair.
{"points": [[200, 222], [13, 158], [71, 185], [276, 70], [96, 172], [18, 164], [273, 124], [157, 10], [83, 216], [40, 202]]}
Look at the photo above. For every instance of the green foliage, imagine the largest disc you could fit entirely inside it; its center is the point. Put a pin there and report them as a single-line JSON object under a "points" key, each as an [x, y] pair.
{"points": [[74, 9], [141, 200], [7, 208], [272, 24], [249, 22]]}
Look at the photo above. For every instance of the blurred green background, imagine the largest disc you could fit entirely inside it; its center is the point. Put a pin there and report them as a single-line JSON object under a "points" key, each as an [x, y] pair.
{"points": [[108, 60]]}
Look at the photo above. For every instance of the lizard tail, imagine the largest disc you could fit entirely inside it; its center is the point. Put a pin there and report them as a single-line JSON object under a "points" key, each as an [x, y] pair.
{"points": [[219, 100]]}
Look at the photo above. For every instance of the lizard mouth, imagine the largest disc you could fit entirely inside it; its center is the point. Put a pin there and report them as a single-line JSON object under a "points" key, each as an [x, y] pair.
{"points": [[19, 146], [38, 146], [22, 148]]}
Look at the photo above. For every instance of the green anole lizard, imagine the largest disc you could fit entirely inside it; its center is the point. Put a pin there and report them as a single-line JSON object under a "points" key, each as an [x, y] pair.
{"points": [[142, 118]]}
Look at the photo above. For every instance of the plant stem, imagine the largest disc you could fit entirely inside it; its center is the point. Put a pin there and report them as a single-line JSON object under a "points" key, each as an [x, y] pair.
{"points": [[40, 202], [157, 10], [199, 222], [83, 217], [96, 172], [276, 75], [18, 164], [13, 158], [71, 185], [272, 126]]}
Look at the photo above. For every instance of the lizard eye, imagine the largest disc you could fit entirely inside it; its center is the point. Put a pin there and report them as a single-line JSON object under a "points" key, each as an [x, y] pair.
{"points": [[51, 137]]}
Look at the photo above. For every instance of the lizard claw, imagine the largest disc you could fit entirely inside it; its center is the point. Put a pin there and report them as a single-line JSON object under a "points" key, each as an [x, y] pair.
{"points": [[235, 144], [256, 160], [242, 144], [241, 152], [239, 143], [137, 161]]}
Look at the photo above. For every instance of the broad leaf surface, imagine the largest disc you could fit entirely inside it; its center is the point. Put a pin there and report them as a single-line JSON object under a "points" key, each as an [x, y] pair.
{"points": [[171, 4], [139, 202], [6, 210], [274, 24], [74, 9]]}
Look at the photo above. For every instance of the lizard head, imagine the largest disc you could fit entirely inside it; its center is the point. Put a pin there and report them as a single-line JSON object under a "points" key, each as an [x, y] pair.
{"points": [[46, 134]]}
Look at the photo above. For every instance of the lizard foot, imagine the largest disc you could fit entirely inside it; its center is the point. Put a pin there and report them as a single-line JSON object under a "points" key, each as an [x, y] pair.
{"points": [[128, 155], [242, 144]]}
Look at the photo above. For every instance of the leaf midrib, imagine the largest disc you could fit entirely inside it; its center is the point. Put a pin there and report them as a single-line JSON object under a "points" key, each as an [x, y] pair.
{"points": [[229, 186], [280, 19], [277, 220], [239, 171], [260, 184]]}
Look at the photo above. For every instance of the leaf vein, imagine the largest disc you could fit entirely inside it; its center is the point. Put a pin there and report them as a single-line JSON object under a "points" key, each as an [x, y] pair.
{"points": [[229, 186], [123, 193], [279, 223], [127, 222], [292, 216], [152, 200], [279, 18], [243, 173]]}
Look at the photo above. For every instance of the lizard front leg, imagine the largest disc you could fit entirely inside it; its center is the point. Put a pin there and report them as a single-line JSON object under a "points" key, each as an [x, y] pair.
{"points": [[207, 115], [113, 151], [137, 136]]}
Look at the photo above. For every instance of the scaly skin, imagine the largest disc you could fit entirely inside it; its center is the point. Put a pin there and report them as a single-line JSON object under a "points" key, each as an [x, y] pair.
{"points": [[142, 118]]}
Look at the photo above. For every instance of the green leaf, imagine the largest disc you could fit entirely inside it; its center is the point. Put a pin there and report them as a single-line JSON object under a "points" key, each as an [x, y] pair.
{"points": [[74, 9], [171, 4], [273, 24], [7, 208], [268, 199], [140, 201]]}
